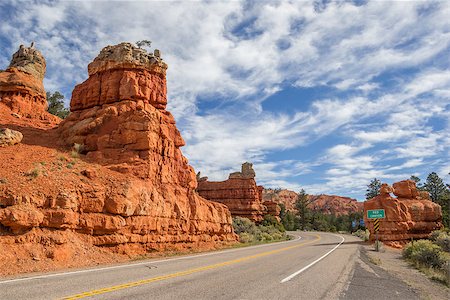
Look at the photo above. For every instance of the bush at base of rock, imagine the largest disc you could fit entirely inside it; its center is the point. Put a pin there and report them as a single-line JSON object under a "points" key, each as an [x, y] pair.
{"points": [[428, 257], [249, 232], [442, 239]]}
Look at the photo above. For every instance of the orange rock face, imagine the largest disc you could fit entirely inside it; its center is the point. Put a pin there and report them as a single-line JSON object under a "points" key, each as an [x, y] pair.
{"points": [[411, 215], [21, 86], [239, 193], [131, 191], [285, 197]]}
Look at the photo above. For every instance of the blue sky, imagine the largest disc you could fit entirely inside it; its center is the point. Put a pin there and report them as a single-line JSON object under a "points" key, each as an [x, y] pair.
{"points": [[320, 95]]}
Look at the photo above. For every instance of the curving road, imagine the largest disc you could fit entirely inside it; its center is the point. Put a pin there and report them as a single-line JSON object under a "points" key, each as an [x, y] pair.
{"points": [[312, 266]]}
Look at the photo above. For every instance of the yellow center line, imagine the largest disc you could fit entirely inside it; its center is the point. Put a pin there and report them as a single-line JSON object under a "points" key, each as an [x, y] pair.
{"points": [[183, 273]]}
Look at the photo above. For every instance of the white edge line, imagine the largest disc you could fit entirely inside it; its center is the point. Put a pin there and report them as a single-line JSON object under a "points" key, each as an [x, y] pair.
{"points": [[311, 264], [141, 263]]}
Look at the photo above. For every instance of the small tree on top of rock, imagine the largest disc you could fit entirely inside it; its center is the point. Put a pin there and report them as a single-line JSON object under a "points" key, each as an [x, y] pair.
{"points": [[373, 188], [144, 44], [56, 105]]}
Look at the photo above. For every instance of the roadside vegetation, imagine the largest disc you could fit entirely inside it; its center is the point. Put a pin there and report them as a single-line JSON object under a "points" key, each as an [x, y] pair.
{"points": [[432, 257], [269, 230]]}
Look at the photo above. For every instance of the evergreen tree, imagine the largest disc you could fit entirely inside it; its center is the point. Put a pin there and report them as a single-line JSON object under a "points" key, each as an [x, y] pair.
{"points": [[303, 210], [373, 188], [439, 193], [56, 105], [435, 186]]}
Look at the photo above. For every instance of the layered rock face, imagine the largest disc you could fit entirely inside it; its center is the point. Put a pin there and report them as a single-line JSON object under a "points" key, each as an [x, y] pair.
{"points": [[411, 215], [239, 193], [327, 204], [131, 192], [21, 85]]}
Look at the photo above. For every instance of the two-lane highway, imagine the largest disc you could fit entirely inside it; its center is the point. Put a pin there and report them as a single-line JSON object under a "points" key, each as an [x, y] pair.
{"points": [[312, 266]]}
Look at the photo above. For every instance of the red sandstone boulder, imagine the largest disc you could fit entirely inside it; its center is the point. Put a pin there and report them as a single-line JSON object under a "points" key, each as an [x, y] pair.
{"points": [[239, 193], [411, 215]]}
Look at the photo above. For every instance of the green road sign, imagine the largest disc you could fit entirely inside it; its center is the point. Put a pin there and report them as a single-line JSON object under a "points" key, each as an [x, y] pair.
{"points": [[375, 214]]}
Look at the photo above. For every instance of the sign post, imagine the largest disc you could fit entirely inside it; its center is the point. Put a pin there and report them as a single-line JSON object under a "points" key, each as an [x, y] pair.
{"points": [[376, 215]]}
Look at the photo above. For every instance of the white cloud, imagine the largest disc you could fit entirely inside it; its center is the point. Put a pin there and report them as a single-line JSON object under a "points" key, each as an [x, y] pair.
{"points": [[226, 58]]}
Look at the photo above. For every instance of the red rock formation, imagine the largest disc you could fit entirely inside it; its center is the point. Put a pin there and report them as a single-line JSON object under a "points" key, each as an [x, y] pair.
{"points": [[327, 204], [239, 193], [411, 215], [131, 191], [21, 85], [335, 205], [285, 197]]}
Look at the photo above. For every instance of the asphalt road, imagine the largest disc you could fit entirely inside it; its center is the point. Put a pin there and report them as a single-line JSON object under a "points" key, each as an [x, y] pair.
{"points": [[312, 266]]}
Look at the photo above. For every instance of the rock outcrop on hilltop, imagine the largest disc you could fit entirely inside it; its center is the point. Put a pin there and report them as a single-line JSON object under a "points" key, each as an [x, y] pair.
{"points": [[285, 197], [239, 193], [21, 86], [128, 189], [412, 215], [327, 204], [335, 205]]}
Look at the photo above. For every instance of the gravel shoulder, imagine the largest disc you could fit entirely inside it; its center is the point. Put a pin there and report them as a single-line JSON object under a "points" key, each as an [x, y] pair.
{"points": [[390, 260]]}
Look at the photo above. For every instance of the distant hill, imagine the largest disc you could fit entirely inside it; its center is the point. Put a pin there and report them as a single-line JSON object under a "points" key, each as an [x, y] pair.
{"points": [[327, 204]]}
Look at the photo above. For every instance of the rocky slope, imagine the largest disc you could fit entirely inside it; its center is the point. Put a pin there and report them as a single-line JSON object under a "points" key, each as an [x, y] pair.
{"points": [[125, 189], [239, 193], [410, 215], [327, 204]]}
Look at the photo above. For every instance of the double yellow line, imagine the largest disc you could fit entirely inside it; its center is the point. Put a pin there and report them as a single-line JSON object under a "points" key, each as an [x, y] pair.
{"points": [[184, 273]]}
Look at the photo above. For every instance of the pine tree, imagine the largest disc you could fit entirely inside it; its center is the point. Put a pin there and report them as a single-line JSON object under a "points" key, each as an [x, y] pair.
{"points": [[435, 186], [56, 105], [439, 193], [303, 210], [373, 188]]}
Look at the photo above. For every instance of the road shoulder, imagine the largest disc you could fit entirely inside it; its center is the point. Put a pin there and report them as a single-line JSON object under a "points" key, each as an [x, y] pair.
{"points": [[390, 260], [373, 282]]}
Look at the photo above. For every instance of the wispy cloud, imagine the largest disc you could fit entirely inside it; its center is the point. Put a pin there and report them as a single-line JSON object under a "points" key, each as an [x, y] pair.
{"points": [[384, 64]]}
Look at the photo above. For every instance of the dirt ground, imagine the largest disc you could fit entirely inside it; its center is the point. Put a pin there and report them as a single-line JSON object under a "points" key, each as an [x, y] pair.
{"points": [[390, 259]]}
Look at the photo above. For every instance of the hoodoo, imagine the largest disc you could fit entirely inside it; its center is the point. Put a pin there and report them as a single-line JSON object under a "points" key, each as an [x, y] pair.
{"points": [[411, 215], [239, 193], [21, 85], [126, 189]]}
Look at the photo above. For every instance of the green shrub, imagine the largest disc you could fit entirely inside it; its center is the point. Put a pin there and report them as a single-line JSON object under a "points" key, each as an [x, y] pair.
{"points": [[426, 253], [442, 239], [241, 225], [250, 233], [245, 237]]}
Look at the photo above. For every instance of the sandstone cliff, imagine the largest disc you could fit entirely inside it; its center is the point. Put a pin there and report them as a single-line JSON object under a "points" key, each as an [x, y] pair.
{"points": [[21, 86], [127, 189], [411, 215], [239, 193], [327, 204]]}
